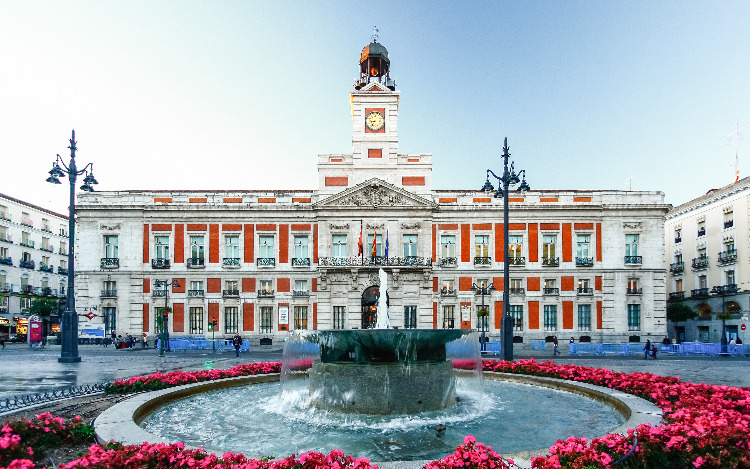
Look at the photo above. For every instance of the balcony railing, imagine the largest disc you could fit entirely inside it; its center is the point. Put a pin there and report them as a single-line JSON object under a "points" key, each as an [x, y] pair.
{"points": [[27, 264], [46, 268], [6, 238], [482, 261], [585, 291], [109, 293], [230, 293], [702, 232], [160, 263], [110, 263], [6, 260], [517, 291], [63, 252], [447, 262], [409, 261], [728, 257], [231, 262], [27, 243], [6, 287], [159, 293], [517, 260], [300, 293], [676, 267], [196, 293], [27, 222], [551, 261], [62, 271], [47, 247], [635, 291], [677, 295], [265, 293], [699, 293], [196, 262], [584, 261], [46, 228], [5, 216], [445, 291], [48, 291], [700, 262], [634, 260], [678, 240], [551, 291], [728, 224], [300, 262], [266, 261], [30, 290], [725, 289]]}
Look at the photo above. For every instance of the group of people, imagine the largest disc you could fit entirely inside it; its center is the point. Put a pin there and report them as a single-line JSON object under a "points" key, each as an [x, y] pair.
{"points": [[556, 350], [124, 342]]}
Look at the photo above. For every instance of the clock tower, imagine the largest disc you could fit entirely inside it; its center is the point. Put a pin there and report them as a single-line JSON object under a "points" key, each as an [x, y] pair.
{"points": [[374, 111]]}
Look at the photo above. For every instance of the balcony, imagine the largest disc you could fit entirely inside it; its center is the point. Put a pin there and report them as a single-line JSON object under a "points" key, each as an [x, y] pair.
{"points": [[728, 257], [230, 293], [112, 293], [300, 262], [231, 262], [266, 261], [702, 232], [700, 262], [516, 260], [633, 260], [6, 261], [6, 238], [62, 252], [699, 293], [47, 247], [61, 293], [584, 261], [678, 240], [409, 261], [160, 263], [6, 288], [27, 243], [27, 264], [62, 271], [109, 263], [196, 263], [30, 290], [265, 293], [46, 228], [517, 291], [634, 291], [46, 268], [445, 291], [27, 222], [63, 233], [677, 267], [728, 224], [196, 293], [48, 291], [677, 295], [5, 216], [551, 261], [447, 262], [585, 291], [159, 293], [299, 293], [482, 261], [551, 291], [729, 289]]}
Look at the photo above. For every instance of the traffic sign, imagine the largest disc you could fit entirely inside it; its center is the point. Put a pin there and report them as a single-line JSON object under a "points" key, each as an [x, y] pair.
{"points": [[743, 327]]}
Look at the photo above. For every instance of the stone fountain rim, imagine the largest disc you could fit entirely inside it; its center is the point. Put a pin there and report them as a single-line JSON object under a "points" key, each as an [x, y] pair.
{"points": [[121, 421]]}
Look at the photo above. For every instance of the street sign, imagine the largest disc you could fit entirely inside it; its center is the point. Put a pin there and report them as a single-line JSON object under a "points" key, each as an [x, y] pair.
{"points": [[743, 327], [91, 315]]}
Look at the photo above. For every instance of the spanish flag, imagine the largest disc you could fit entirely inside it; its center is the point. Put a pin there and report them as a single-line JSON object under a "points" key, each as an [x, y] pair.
{"points": [[374, 244], [359, 252]]}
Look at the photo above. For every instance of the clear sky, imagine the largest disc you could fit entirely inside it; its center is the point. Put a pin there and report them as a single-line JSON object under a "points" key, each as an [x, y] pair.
{"points": [[245, 95]]}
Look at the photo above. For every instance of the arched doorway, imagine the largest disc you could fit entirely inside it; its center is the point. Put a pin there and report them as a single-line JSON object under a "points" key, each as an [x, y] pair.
{"points": [[733, 307], [370, 306], [704, 311]]}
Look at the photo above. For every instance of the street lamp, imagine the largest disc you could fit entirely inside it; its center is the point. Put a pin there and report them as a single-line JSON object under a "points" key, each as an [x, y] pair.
{"points": [[483, 290], [165, 313], [508, 179], [69, 351]]}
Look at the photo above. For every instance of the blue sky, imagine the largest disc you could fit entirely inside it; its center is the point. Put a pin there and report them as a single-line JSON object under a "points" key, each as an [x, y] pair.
{"points": [[245, 95]]}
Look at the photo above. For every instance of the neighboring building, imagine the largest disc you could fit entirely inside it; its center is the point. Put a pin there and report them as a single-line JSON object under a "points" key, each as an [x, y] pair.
{"points": [[707, 252], [587, 264], [33, 261]]}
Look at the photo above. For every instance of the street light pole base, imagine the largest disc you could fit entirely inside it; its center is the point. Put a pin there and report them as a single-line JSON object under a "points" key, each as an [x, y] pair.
{"points": [[68, 359]]}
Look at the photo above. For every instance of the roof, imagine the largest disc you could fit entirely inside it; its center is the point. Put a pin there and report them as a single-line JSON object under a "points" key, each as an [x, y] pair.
{"points": [[35, 207], [374, 49]]}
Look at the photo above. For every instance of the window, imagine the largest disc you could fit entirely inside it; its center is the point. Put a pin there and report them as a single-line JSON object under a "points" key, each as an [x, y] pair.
{"points": [[196, 288], [515, 246], [515, 285], [232, 286], [550, 286], [339, 246], [300, 288], [45, 225], [448, 287], [231, 319], [634, 317], [582, 247], [584, 286], [677, 235], [45, 261], [584, 317], [300, 317], [110, 320], [550, 317], [3, 252], [516, 312], [110, 247], [633, 286], [482, 247], [448, 246], [702, 281], [232, 250], [728, 218], [25, 303], [449, 316], [548, 246], [63, 248], [410, 317], [702, 228], [266, 286], [678, 285], [197, 249], [110, 288], [729, 278], [339, 315], [678, 258], [162, 247], [300, 247], [266, 319], [410, 245], [266, 247], [26, 257], [631, 245], [25, 240], [196, 320], [378, 245]]}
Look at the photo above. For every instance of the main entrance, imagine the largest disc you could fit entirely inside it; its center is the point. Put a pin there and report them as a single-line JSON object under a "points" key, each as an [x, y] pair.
{"points": [[370, 306]]}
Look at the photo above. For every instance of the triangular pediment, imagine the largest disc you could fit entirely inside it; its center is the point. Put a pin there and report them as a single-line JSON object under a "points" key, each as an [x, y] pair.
{"points": [[374, 86], [375, 193]]}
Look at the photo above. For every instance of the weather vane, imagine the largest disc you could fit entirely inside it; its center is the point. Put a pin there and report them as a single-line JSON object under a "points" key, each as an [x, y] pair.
{"points": [[374, 34]]}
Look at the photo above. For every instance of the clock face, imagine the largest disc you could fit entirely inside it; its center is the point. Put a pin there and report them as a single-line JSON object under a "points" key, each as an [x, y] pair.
{"points": [[375, 120]]}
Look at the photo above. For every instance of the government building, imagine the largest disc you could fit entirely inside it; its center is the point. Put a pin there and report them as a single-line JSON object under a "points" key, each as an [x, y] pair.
{"points": [[583, 264]]}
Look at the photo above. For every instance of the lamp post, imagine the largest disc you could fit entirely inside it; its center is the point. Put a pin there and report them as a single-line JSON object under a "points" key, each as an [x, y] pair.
{"points": [[508, 179], [165, 313], [69, 350], [483, 290]]}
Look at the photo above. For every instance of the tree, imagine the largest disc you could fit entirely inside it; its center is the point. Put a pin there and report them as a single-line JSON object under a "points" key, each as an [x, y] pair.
{"points": [[44, 307], [678, 312]]}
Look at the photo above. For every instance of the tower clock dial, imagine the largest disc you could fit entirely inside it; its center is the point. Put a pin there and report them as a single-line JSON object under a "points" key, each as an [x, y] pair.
{"points": [[375, 120]]}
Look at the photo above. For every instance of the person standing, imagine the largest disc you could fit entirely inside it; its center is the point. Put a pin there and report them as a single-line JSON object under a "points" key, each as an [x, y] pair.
{"points": [[647, 348], [237, 342], [555, 344]]}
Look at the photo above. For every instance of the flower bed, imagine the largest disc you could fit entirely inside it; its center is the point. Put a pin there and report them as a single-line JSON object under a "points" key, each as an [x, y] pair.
{"points": [[704, 426]]}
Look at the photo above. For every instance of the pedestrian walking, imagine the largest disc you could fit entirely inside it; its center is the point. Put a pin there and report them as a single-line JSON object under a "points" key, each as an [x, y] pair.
{"points": [[237, 342], [647, 348], [554, 342], [653, 351], [572, 346]]}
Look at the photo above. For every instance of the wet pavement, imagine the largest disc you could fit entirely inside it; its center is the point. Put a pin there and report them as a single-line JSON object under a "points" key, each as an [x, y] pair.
{"points": [[27, 370]]}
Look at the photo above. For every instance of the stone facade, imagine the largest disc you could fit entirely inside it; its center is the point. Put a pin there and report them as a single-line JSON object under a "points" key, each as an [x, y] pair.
{"points": [[266, 262]]}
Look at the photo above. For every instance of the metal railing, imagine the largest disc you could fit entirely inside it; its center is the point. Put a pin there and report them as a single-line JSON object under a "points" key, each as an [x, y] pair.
{"points": [[160, 263], [266, 261], [585, 291], [300, 293], [195, 293], [584, 261], [728, 256], [193, 262], [265, 293], [728, 224], [14, 403], [517, 260], [47, 247], [27, 264], [702, 232], [409, 261], [699, 293], [677, 267], [300, 262], [6, 238], [635, 291], [482, 260], [678, 240], [231, 262], [158, 292], [447, 262], [6, 261], [27, 222], [517, 291], [230, 293], [634, 259], [62, 271], [677, 295], [46, 268], [551, 261], [700, 262], [27, 243], [445, 291], [110, 263], [109, 293], [551, 291], [728, 289]]}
